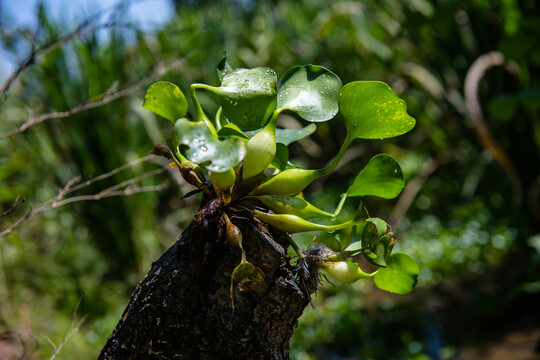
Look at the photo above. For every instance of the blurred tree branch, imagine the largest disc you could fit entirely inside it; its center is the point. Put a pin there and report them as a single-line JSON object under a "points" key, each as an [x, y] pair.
{"points": [[85, 27], [18, 201], [124, 188], [114, 92], [472, 80]]}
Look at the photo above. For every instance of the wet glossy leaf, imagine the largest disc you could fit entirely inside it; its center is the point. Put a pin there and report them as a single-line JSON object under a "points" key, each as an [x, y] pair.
{"points": [[204, 149], [381, 177], [311, 91], [371, 110], [400, 276], [248, 96], [166, 99]]}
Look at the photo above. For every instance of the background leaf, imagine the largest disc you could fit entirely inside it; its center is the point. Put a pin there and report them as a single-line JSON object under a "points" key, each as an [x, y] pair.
{"points": [[381, 177], [166, 99], [204, 149], [400, 276], [311, 91], [371, 110]]}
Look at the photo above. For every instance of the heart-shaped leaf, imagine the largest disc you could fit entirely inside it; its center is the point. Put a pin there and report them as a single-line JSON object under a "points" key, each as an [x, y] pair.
{"points": [[204, 149], [311, 91], [400, 276], [166, 99], [381, 177], [371, 110], [248, 96]]}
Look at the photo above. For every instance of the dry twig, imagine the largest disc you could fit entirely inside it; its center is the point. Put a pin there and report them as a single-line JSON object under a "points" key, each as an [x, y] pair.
{"points": [[125, 188], [68, 333]]}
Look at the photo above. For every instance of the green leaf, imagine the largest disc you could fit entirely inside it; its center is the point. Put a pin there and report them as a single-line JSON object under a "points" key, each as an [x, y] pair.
{"points": [[231, 130], [248, 96], [400, 276], [288, 136], [381, 177], [246, 275], [282, 157], [204, 149], [311, 91], [371, 110], [166, 99], [382, 251]]}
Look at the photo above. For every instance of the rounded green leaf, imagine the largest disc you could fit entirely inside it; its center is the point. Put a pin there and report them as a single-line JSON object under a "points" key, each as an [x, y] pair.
{"points": [[311, 91], [248, 96], [381, 177], [371, 110], [166, 99], [204, 149], [400, 276]]}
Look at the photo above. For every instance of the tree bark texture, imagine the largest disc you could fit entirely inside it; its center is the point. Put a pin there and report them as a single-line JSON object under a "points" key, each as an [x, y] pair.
{"points": [[183, 308]]}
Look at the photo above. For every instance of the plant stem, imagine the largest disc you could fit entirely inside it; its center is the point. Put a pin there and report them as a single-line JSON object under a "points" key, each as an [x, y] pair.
{"points": [[337, 159], [199, 113], [295, 247], [340, 205]]}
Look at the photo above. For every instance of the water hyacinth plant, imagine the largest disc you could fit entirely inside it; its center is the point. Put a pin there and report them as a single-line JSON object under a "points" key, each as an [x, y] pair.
{"points": [[240, 157]]}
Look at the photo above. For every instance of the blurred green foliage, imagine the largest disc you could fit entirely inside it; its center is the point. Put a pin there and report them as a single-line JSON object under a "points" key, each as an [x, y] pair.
{"points": [[476, 245]]}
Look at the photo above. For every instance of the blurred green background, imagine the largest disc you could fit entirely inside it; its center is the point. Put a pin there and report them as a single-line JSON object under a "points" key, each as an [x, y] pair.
{"points": [[469, 215]]}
